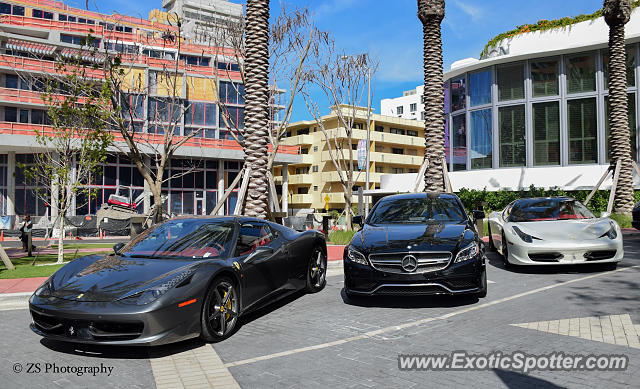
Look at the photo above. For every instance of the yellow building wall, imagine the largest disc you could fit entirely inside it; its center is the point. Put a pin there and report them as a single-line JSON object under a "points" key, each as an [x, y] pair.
{"points": [[199, 88]]}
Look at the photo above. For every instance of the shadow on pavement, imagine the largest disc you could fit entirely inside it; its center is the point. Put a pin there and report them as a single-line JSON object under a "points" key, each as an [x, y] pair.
{"points": [[409, 302], [120, 352], [512, 379], [263, 311]]}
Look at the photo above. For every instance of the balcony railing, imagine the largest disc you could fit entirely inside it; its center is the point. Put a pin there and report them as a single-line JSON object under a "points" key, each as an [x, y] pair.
{"points": [[10, 128]]}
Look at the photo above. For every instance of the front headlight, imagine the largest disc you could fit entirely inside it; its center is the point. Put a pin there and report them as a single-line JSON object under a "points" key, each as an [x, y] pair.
{"points": [[356, 256], [45, 289], [467, 253], [153, 293], [524, 236], [612, 233]]}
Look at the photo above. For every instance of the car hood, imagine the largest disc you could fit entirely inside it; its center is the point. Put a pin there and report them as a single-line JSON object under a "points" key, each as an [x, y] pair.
{"points": [[110, 278], [415, 237], [551, 230]]}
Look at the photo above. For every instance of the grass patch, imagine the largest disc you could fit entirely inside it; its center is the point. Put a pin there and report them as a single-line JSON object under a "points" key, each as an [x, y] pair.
{"points": [[24, 269], [73, 246], [341, 237]]}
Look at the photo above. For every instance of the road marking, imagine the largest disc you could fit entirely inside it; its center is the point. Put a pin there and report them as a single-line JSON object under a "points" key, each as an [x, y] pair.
{"points": [[373, 333], [612, 329], [490, 282], [200, 367]]}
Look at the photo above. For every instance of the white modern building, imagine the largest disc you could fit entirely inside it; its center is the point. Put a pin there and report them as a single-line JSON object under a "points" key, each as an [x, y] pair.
{"points": [[532, 111]]}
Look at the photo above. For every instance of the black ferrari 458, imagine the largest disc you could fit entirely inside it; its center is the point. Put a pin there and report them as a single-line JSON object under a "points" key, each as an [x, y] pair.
{"points": [[183, 278], [416, 244]]}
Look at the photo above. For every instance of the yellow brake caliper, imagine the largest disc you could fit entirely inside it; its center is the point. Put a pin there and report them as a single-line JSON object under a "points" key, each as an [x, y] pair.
{"points": [[222, 307]]}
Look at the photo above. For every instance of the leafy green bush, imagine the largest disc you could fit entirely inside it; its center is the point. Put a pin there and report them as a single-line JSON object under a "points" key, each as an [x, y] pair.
{"points": [[341, 237], [496, 201], [623, 220]]}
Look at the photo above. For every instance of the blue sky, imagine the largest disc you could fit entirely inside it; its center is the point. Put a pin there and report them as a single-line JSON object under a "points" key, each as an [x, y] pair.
{"points": [[391, 30]]}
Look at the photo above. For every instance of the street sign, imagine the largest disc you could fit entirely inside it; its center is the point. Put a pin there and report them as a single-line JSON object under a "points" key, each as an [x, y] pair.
{"points": [[362, 154]]}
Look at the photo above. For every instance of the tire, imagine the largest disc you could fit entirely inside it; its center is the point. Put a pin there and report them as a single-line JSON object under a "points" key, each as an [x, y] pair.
{"points": [[219, 312], [505, 252], [483, 292], [492, 247], [316, 271], [610, 266]]}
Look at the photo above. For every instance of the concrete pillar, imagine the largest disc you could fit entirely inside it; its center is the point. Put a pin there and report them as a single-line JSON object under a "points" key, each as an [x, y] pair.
{"points": [[11, 183], [221, 187], [285, 187]]}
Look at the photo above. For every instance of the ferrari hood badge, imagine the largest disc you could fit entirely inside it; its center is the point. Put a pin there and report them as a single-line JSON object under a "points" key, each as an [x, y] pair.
{"points": [[80, 296], [237, 265]]}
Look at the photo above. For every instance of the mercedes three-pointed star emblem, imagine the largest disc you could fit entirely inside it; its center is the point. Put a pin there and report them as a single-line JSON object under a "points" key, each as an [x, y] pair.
{"points": [[409, 263]]}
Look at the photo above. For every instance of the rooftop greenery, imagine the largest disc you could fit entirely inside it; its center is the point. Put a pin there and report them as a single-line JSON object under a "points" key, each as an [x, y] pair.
{"points": [[544, 25]]}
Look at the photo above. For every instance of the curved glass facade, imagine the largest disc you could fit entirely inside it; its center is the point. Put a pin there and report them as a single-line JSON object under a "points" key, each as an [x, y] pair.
{"points": [[548, 111]]}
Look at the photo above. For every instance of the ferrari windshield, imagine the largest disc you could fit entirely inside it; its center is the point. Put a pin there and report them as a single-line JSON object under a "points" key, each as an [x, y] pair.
{"points": [[532, 210], [183, 238], [418, 210]]}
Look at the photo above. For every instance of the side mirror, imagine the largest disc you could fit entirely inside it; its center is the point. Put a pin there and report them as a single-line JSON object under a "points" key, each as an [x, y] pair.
{"points": [[357, 220], [605, 214], [117, 247], [477, 215]]}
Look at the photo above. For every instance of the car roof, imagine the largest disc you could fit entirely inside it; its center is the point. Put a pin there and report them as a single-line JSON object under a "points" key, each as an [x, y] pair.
{"points": [[419, 195], [238, 218], [529, 200]]}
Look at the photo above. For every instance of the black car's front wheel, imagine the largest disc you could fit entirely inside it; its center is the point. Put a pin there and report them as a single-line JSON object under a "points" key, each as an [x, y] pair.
{"points": [[483, 281], [220, 310], [317, 271]]}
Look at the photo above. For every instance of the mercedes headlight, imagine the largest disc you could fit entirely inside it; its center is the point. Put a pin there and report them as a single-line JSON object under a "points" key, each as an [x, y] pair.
{"points": [[153, 293], [356, 256], [524, 236], [612, 233], [467, 253]]}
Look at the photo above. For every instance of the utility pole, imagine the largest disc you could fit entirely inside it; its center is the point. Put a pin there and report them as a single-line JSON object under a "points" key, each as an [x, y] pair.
{"points": [[367, 167]]}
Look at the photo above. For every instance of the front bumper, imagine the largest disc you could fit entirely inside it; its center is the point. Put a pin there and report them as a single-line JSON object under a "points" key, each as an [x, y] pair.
{"points": [[457, 278], [113, 323], [566, 253]]}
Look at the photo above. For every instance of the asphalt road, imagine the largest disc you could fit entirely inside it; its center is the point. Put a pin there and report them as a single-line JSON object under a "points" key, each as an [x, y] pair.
{"points": [[323, 340]]}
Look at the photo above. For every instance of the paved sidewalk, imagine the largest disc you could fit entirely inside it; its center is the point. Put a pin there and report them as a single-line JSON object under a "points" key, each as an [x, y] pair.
{"points": [[20, 285]]}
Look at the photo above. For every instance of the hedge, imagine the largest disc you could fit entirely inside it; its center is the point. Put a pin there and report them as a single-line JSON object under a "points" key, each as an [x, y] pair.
{"points": [[495, 201]]}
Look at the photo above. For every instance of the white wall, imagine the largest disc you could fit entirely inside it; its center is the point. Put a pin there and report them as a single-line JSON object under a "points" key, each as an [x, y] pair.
{"points": [[562, 177], [388, 107]]}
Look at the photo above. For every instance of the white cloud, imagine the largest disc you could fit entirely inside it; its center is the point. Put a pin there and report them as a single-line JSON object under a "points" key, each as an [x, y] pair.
{"points": [[474, 11]]}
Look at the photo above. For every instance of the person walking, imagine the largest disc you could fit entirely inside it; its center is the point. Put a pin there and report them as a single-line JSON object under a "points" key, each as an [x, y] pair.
{"points": [[25, 229]]}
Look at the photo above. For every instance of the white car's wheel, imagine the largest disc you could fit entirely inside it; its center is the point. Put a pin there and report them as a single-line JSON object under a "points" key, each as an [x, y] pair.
{"points": [[505, 252]]}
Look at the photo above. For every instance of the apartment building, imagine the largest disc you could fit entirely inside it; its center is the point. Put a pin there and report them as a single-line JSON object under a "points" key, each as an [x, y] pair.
{"points": [[34, 32], [397, 147]]}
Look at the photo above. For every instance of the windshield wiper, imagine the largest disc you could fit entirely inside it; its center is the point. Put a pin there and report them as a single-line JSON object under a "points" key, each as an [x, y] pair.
{"points": [[143, 256]]}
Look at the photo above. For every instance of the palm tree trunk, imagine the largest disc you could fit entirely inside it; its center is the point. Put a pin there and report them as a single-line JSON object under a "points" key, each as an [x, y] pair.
{"points": [[431, 13], [620, 134], [257, 106]]}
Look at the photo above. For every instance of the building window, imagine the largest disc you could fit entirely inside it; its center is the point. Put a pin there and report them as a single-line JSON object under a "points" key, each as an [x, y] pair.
{"points": [[631, 67], [459, 142], [398, 131], [631, 108], [397, 170], [315, 168], [480, 88], [8, 9], [379, 169], [10, 114], [581, 73], [512, 136], [303, 131], [37, 13], [510, 82], [544, 78], [315, 149], [200, 116], [422, 115], [304, 151], [413, 107], [79, 40], [583, 132], [315, 188], [458, 94], [412, 133], [400, 110], [396, 150], [546, 134], [481, 138], [379, 129]]}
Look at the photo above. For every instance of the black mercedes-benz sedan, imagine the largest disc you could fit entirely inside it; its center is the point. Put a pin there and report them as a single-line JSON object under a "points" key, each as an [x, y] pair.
{"points": [[183, 278], [416, 244]]}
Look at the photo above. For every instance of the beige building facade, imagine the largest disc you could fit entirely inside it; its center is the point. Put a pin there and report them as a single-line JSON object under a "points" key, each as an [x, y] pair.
{"points": [[396, 147]]}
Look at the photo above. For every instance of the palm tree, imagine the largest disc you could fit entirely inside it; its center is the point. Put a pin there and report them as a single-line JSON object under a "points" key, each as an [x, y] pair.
{"points": [[431, 13], [257, 106], [617, 14]]}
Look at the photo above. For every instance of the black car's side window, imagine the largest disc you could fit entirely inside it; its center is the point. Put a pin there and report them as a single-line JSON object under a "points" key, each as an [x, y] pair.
{"points": [[253, 235]]}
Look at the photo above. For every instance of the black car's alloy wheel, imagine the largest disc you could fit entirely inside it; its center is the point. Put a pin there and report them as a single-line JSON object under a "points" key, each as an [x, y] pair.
{"points": [[220, 310], [317, 271]]}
